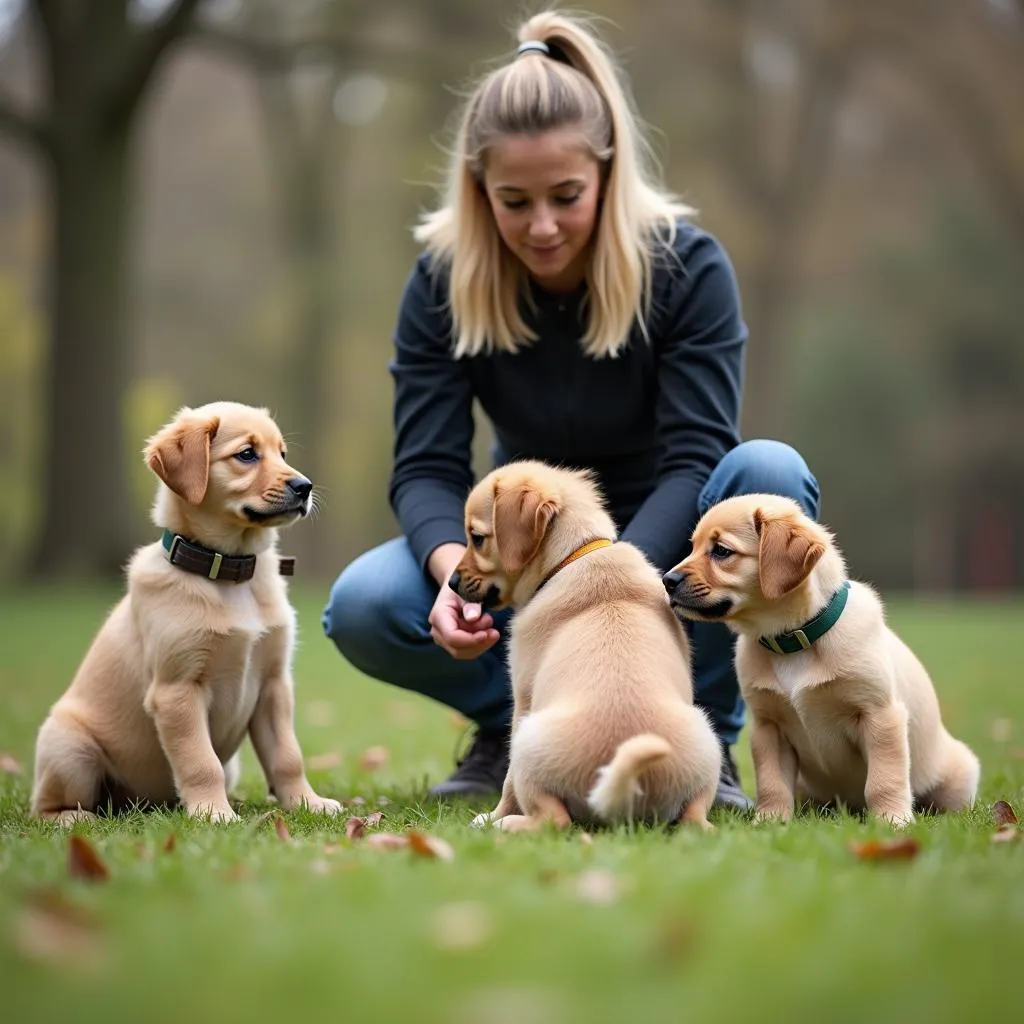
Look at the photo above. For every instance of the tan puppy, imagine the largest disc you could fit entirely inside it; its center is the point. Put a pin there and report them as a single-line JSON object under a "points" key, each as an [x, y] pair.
{"points": [[604, 727], [186, 665], [851, 714]]}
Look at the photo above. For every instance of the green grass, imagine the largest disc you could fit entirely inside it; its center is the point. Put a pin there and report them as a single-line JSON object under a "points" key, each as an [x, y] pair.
{"points": [[766, 923]]}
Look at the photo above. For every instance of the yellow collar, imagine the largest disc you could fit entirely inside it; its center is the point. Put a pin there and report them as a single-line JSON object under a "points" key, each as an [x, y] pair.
{"points": [[591, 545]]}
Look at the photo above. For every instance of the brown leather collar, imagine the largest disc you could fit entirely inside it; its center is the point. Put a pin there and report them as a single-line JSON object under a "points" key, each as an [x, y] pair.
{"points": [[192, 557], [591, 545]]}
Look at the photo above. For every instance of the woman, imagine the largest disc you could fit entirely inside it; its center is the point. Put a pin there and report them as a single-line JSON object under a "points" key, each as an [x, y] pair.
{"points": [[563, 290]]}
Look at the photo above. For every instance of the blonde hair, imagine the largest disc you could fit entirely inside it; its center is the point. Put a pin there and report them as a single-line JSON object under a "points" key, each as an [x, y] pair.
{"points": [[576, 84]]}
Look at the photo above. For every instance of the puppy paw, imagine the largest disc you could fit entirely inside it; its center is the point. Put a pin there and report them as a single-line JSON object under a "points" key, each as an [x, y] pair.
{"points": [[772, 812], [898, 818], [321, 804], [65, 819], [212, 812], [482, 820]]}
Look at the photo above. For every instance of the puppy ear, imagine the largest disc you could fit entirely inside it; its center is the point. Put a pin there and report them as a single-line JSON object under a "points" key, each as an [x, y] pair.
{"points": [[521, 518], [180, 455], [788, 552]]}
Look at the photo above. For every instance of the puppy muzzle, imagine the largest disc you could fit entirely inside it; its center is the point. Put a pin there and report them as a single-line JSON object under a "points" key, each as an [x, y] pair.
{"points": [[690, 600], [470, 591]]}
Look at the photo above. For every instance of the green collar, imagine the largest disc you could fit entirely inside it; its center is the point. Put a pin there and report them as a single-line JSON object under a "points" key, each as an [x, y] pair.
{"points": [[802, 638]]}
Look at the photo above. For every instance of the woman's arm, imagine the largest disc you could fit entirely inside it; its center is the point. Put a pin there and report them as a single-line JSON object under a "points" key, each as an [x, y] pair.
{"points": [[699, 342], [433, 419]]}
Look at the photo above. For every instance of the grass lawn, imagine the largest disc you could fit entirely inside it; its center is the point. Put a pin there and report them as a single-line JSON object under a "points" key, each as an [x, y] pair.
{"points": [[766, 923]]}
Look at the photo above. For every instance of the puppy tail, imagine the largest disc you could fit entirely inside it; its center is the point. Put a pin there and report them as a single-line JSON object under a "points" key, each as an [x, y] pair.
{"points": [[615, 793]]}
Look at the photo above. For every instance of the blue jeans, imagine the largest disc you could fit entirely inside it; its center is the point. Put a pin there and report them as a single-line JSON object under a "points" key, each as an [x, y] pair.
{"points": [[378, 608]]}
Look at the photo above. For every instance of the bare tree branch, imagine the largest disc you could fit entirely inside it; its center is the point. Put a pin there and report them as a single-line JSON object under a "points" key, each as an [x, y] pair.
{"points": [[23, 128], [142, 58]]}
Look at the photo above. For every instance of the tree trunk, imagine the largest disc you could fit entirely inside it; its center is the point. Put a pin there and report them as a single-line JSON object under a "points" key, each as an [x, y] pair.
{"points": [[86, 516]]}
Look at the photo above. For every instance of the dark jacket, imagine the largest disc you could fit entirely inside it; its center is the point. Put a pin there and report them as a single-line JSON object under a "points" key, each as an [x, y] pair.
{"points": [[652, 422]]}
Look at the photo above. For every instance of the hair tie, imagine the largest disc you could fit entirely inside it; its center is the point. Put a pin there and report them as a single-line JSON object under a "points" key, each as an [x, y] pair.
{"points": [[533, 46]]}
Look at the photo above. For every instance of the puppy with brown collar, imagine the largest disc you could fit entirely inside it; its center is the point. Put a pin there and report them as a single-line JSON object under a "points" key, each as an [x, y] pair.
{"points": [[198, 652], [604, 728], [841, 708]]}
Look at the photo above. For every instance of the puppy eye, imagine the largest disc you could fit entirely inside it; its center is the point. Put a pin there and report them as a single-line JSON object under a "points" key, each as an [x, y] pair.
{"points": [[721, 552], [477, 540], [248, 455]]}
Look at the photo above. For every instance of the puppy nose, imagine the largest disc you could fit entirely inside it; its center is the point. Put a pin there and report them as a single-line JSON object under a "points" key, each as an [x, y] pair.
{"points": [[300, 487], [672, 579], [454, 581]]}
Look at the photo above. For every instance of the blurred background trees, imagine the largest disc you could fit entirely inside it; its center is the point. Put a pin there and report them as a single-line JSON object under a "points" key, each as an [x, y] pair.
{"points": [[213, 199]]}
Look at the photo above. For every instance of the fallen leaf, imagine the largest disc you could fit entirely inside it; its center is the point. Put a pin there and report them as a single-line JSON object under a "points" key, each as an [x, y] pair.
{"points": [[333, 848], [886, 849], [383, 801], [1003, 813], [84, 862], [170, 843], [357, 801], [143, 851], [428, 846], [324, 762], [10, 765], [586, 839], [374, 758], [461, 925], [598, 886], [374, 819], [281, 828], [50, 927], [387, 841], [1002, 729], [265, 817], [1006, 834], [319, 713], [674, 938], [237, 873], [355, 827]]}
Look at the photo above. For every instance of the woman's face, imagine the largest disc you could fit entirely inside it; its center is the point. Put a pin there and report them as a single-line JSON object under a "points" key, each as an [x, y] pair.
{"points": [[543, 191]]}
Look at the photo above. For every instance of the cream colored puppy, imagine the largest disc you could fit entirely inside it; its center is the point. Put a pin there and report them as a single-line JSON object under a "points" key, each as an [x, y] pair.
{"points": [[841, 707], [604, 727], [198, 653]]}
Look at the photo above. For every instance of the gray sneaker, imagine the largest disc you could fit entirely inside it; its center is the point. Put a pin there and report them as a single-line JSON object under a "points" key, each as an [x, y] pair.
{"points": [[481, 770]]}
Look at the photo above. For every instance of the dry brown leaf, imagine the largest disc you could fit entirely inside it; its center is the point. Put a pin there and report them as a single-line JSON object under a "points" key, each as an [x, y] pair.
{"points": [[143, 851], [905, 848], [265, 817], [170, 843], [10, 765], [1002, 729], [355, 827], [84, 862], [1003, 813], [51, 927], [281, 828], [598, 887], [374, 758], [386, 841], [374, 819], [1006, 834], [324, 762], [674, 939], [461, 925], [432, 847], [319, 713], [238, 873]]}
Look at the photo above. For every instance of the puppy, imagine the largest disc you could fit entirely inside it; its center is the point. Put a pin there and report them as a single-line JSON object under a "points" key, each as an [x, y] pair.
{"points": [[604, 728], [841, 708], [198, 652]]}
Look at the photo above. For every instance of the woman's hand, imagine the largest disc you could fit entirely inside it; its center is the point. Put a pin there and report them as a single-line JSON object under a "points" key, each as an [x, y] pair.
{"points": [[460, 627]]}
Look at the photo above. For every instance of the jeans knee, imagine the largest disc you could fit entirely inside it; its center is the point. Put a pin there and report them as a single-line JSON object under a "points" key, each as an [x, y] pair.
{"points": [[368, 611], [763, 467]]}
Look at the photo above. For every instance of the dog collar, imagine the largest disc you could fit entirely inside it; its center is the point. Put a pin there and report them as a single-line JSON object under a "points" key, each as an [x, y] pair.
{"points": [[192, 557], [591, 545], [802, 638]]}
